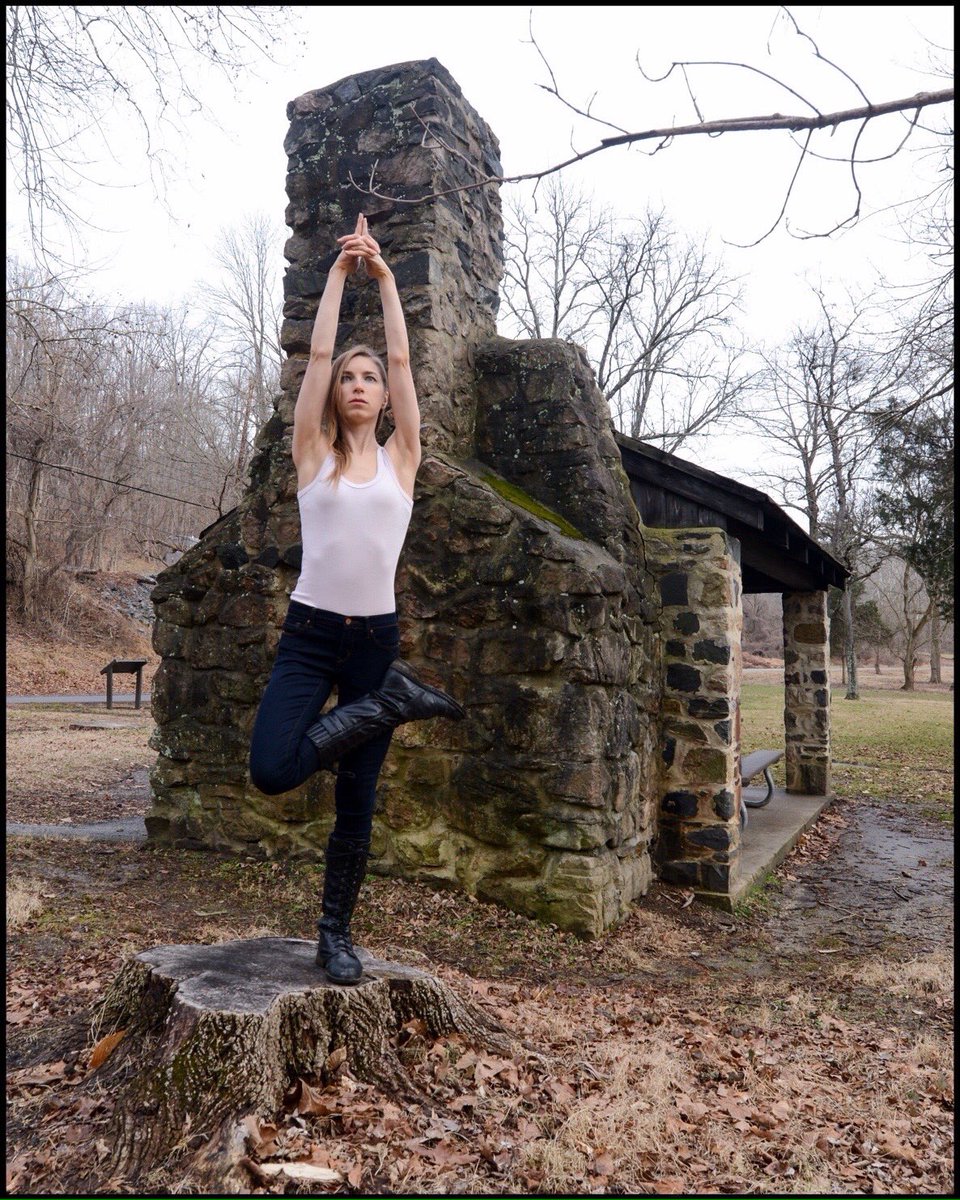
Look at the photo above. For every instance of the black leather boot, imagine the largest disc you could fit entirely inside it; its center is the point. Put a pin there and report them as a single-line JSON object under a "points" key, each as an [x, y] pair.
{"points": [[346, 866], [401, 697]]}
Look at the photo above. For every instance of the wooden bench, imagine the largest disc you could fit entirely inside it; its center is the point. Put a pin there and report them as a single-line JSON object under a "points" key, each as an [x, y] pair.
{"points": [[757, 763], [128, 666]]}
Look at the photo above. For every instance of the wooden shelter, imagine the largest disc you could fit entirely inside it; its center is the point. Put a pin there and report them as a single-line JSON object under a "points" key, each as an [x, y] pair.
{"points": [[709, 540]]}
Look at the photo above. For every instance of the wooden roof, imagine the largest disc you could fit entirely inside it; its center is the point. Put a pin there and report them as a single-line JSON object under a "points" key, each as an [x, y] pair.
{"points": [[776, 555]]}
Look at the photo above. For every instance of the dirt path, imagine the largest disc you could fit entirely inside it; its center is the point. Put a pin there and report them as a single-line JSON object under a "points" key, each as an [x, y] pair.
{"points": [[128, 829]]}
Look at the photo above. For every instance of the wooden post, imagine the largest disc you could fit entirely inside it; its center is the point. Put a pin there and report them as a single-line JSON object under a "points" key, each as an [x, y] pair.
{"points": [[110, 686], [136, 703]]}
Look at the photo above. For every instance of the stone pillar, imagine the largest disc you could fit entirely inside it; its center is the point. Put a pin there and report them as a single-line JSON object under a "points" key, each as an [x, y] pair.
{"points": [[701, 621], [806, 712]]}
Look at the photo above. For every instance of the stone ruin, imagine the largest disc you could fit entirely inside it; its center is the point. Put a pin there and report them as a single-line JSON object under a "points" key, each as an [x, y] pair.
{"points": [[523, 587]]}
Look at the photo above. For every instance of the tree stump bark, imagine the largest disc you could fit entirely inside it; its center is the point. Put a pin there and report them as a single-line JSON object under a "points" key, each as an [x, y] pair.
{"points": [[214, 1033]]}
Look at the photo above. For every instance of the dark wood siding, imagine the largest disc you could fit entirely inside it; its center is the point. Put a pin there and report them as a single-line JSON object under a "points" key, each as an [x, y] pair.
{"points": [[776, 554]]}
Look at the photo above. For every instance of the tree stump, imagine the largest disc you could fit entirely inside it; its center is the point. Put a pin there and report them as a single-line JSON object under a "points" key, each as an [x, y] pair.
{"points": [[214, 1033]]}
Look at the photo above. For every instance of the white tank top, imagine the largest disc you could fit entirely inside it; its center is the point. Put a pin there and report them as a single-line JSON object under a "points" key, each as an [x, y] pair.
{"points": [[352, 536]]}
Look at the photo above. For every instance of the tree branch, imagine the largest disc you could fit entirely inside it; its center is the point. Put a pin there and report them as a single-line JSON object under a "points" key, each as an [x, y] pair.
{"points": [[757, 124]]}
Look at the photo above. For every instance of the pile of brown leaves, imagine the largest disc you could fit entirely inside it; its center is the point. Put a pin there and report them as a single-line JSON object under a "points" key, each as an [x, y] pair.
{"points": [[686, 1052]]}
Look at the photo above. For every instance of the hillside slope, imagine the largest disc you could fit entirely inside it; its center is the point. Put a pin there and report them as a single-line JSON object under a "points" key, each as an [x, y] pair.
{"points": [[105, 615]]}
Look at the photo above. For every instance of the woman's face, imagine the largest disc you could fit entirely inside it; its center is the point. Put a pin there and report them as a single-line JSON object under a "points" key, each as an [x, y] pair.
{"points": [[362, 391]]}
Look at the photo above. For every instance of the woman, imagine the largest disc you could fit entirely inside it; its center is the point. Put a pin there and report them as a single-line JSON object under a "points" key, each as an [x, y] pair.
{"points": [[355, 499]]}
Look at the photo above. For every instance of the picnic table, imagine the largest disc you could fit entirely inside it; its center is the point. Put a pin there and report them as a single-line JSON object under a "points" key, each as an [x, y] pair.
{"points": [[752, 765]]}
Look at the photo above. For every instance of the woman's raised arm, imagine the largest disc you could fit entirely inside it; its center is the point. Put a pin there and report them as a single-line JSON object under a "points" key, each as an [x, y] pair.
{"points": [[308, 413], [403, 393]]}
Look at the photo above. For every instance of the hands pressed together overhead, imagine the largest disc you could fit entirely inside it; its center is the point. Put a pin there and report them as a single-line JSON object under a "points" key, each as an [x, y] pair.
{"points": [[358, 246]]}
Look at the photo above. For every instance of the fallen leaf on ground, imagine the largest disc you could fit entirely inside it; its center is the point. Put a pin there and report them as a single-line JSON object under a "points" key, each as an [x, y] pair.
{"points": [[301, 1170], [892, 1146], [335, 1059], [105, 1047], [693, 1110], [668, 1185], [46, 1073], [311, 1100]]}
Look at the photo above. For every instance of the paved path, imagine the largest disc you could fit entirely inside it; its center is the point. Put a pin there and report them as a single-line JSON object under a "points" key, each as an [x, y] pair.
{"points": [[128, 829], [118, 698]]}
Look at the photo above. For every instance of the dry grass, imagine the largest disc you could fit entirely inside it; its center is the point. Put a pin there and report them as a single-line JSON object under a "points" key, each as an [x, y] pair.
{"points": [[627, 1120], [930, 974], [225, 930], [934, 1052], [78, 631], [890, 678], [804, 1084], [653, 1114], [44, 753], [24, 901], [47, 666], [656, 1072]]}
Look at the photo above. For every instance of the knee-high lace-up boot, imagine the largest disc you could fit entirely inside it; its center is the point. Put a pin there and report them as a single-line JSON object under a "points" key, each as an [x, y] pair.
{"points": [[401, 697], [346, 866]]}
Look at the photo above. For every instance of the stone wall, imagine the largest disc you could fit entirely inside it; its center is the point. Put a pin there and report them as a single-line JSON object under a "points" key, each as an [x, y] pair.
{"points": [[701, 621], [521, 588], [806, 714]]}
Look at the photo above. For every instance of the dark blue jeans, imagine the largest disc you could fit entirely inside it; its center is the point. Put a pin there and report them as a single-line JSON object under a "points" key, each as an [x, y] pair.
{"points": [[319, 650]]}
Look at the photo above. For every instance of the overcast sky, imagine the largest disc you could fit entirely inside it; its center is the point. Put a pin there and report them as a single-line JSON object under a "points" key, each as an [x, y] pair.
{"points": [[729, 188]]}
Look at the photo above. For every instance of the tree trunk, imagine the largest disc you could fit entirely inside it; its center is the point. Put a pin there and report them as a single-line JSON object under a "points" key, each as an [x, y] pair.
{"points": [[215, 1033], [31, 558], [912, 633], [876, 659], [935, 628], [849, 645]]}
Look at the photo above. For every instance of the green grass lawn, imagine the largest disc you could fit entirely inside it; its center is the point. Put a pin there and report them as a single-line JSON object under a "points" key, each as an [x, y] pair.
{"points": [[889, 745]]}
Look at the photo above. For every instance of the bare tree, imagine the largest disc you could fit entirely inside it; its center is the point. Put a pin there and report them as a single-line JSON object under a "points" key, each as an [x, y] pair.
{"points": [[907, 609], [763, 624], [52, 355], [245, 306], [936, 634], [815, 400], [653, 311], [129, 428], [922, 310], [114, 444], [68, 67], [545, 281]]}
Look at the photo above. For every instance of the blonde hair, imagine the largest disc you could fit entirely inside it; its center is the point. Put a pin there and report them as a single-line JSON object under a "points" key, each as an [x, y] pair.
{"points": [[331, 420]]}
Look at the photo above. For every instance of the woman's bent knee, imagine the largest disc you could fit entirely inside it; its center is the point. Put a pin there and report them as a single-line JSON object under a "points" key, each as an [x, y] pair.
{"points": [[272, 778]]}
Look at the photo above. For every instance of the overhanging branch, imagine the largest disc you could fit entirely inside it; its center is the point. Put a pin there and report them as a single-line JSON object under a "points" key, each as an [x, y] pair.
{"points": [[665, 134]]}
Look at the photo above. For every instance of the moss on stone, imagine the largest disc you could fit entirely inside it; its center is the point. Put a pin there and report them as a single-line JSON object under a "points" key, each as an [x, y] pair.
{"points": [[518, 496]]}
